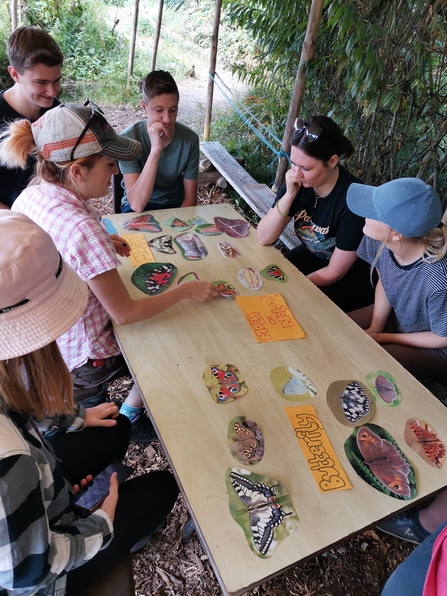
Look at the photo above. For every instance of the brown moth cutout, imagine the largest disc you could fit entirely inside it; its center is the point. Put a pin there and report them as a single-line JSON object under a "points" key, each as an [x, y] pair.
{"points": [[228, 250], [350, 402], [249, 278], [245, 440], [424, 440]]}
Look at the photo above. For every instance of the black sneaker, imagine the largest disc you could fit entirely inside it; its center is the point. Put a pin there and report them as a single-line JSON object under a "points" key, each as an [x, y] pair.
{"points": [[142, 430], [406, 526]]}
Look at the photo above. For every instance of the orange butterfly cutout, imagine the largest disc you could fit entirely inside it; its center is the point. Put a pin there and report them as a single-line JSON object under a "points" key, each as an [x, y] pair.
{"points": [[419, 433], [385, 461], [250, 438]]}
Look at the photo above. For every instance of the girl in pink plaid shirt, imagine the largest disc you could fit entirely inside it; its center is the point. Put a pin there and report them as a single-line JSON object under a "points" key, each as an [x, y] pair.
{"points": [[77, 151]]}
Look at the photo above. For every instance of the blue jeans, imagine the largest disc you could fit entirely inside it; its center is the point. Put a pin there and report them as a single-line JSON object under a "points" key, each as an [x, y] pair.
{"points": [[409, 578]]}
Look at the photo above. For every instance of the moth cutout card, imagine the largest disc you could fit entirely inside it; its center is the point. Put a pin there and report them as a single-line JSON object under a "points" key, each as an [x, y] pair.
{"points": [[384, 388], [191, 276], [269, 318], [162, 244], [379, 461], [249, 278], [350, 402], [235, 228], [245, 441], [197, 221], [424, 440], [154, 278], [207, 229], [274, 273], [320, 456], [191, 246], [226, 290], [292, 384], [224, 382], [228, 250], [140, 252], [263, 509], [176, 224], [142, 223]]}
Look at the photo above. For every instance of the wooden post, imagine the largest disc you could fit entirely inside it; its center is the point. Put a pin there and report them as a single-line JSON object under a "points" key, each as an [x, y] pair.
{"points": [[136, 7], [212, 69], [157, 34], [307, 53], [13, 6]]}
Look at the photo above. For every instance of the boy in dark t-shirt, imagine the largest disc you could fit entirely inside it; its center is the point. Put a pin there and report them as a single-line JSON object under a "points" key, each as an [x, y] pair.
{"points": [[35, 63]]}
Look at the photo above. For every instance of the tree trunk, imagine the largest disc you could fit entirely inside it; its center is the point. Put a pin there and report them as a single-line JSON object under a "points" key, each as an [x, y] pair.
{"points": [[307, 53], [212, 70], [157, 34], [133, 40]]}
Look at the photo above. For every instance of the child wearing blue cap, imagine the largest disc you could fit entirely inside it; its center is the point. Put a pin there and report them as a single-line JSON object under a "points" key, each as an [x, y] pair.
{"points": [[409, 251]]}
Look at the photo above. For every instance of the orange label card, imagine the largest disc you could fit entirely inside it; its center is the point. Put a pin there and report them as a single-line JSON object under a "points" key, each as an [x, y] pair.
{"points": [[140, 251], [321, 459], [269, 318]]}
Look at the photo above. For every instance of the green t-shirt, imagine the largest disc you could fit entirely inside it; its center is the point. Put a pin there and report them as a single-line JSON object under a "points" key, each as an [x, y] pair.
{"points": [[178, 161]]}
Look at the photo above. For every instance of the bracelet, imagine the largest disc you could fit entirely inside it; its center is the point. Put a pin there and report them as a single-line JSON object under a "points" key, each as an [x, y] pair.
{"points": [[277, 209]]}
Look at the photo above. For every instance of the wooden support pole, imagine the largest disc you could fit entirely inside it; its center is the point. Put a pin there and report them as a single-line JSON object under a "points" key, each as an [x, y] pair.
{"points": [[307, 53], [133, 40], [14, 11], [157, 34], [212, 69]]}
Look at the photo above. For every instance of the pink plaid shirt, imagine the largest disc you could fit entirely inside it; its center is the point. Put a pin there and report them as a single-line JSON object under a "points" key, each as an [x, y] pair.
{"points": [[85, 246]]}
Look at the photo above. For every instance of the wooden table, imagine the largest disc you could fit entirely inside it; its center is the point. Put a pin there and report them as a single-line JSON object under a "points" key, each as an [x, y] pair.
{"points": [[167, 356]]}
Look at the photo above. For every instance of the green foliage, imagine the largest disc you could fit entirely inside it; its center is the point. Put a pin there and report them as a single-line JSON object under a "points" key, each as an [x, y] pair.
{"points": [[379, 69], [5, 31]]}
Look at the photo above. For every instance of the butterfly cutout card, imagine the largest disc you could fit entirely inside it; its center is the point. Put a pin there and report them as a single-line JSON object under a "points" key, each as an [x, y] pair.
{"points": [[384, 388], [269, 318], [321, 458], [350, 402], [379, 461], [424, 440], [154, 278], [224, 382], [142, 223], [292, 384], [263, 509], [245, 441], [139, 250]]}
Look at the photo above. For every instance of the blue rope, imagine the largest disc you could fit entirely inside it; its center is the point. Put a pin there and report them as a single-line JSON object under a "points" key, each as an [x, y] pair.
{"points": [[278, 153]]}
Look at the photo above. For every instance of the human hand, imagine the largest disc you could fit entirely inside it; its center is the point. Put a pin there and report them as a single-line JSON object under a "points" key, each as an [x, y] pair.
{"points": [[292, 183], [157, 131], [84, 482], [201, 290], [109, 503], [121, 246], [102, 415], [380, 338]]}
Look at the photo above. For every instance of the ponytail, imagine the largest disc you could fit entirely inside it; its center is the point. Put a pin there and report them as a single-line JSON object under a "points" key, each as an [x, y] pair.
{"points": [[16, 144]]}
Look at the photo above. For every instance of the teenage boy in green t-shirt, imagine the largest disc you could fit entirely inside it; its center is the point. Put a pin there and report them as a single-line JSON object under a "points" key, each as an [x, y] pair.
{"points": [[165, 173]]}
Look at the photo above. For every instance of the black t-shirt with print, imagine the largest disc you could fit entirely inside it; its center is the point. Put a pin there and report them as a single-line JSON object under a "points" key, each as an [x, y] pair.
{"points": [[330, 224], [14, 180]]}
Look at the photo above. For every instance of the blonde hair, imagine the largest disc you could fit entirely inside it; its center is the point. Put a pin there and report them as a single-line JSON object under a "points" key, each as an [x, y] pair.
{"points": [[48, 389], [435, 246], [17, 143]]}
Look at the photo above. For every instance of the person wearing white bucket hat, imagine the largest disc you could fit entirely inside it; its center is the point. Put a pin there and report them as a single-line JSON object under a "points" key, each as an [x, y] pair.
{"points": [[77, 151], [408, 249], [44, 546]]}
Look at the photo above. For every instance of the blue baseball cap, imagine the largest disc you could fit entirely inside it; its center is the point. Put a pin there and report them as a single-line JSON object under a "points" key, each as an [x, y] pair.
{"points": [[408, 205]]}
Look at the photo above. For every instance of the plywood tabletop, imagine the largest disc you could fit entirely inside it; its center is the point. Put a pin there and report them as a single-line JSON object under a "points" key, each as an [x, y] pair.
{"points": [[168, 355]]}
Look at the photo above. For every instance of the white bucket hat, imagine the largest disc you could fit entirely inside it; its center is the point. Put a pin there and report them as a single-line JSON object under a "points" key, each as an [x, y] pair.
{"points": [[40, 296]]}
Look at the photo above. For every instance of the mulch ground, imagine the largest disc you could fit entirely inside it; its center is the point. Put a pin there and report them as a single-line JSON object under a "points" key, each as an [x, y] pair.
{"points": [[166, 567]]}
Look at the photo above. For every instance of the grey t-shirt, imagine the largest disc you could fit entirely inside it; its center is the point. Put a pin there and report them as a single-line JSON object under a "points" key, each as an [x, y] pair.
{"points": [[178, 161], [417, 292]]}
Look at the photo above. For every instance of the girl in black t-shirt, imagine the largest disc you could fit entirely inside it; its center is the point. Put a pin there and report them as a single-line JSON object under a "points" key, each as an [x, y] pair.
{"points": [[314, 194]]}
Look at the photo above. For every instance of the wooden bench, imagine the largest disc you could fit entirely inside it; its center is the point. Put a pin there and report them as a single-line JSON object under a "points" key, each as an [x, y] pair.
{"points": [[258, 196]]}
